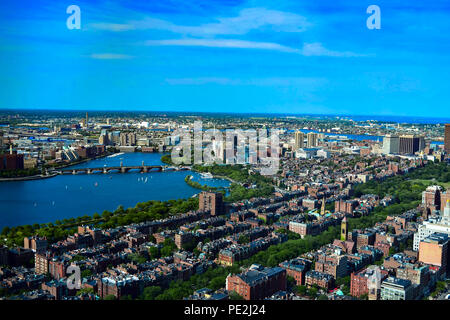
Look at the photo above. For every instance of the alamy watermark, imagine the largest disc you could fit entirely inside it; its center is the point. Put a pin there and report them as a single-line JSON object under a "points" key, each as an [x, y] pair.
{"points": [[74, 280], [233, 146], [74, 20]]}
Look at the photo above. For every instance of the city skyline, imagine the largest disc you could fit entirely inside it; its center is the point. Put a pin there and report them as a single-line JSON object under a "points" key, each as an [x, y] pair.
{"points": [[237, 56]]}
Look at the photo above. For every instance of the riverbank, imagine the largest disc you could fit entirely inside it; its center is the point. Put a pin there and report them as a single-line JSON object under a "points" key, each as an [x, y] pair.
{"points": [[199, 186], [83, 161], [35, 177], [54, 174]]}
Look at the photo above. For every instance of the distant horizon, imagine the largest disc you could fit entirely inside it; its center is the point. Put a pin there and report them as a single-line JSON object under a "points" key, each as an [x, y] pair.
{"points": [[271, 114]]}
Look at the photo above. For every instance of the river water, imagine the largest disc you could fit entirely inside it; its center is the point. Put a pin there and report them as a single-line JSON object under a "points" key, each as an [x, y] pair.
{"points": [[67, 196]]}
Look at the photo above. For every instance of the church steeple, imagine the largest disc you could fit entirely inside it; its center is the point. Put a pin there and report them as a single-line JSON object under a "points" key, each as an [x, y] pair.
{"points": [[344, 229], [322, 210]]}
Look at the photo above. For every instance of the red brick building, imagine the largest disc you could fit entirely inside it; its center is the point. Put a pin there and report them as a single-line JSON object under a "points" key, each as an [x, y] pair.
{"points": [[297, 268], [257, 282], [212, 202], [359, 281], [345, 206], [11, 161], [322, 280]]}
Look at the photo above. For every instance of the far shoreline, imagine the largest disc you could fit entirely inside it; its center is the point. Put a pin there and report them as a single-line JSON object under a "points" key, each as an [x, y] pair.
{"points": [[26, 178]]}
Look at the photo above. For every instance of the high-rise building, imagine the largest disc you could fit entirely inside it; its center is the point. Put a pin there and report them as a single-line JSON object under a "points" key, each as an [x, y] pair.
{"points": [[438, 224], [391, 144], [431, 197], [410, 144], [434, 250], [447, 138], [127, 139], [312, 140], [299, 140], [211, 201]]}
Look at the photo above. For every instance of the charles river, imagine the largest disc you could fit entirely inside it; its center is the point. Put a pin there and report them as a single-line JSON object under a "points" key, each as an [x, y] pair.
{"points": [[71, 196]]}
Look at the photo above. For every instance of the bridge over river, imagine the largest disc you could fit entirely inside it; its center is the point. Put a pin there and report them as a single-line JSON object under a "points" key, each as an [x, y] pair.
{"points": [[121, 169]]}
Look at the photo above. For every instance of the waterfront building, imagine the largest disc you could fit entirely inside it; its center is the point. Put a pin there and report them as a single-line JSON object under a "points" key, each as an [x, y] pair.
{"points": [[11, 161], [127, 139], [35, 243]]}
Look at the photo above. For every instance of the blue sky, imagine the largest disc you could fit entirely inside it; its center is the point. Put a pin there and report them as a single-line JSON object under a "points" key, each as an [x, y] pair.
{"points": [[227, 56]]}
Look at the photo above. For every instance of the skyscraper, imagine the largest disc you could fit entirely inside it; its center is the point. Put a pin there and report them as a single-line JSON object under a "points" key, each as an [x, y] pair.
{"points": [[447, 138], [299, 140], [311, 140], [391, 144], [410, 144]]}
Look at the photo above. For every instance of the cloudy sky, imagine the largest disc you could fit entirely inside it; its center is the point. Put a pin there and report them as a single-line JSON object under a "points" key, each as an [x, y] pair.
{"points": [[227, 56]]}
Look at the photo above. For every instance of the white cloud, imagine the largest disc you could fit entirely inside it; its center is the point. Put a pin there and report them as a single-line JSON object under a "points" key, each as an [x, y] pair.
{"points": [[110, 56], [309, 49], [247, 20], [221, 43], [112, 26], [317, 49]]}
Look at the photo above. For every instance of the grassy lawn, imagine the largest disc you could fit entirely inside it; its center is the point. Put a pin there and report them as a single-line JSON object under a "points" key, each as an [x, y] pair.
{"points": [[446, 185]]}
